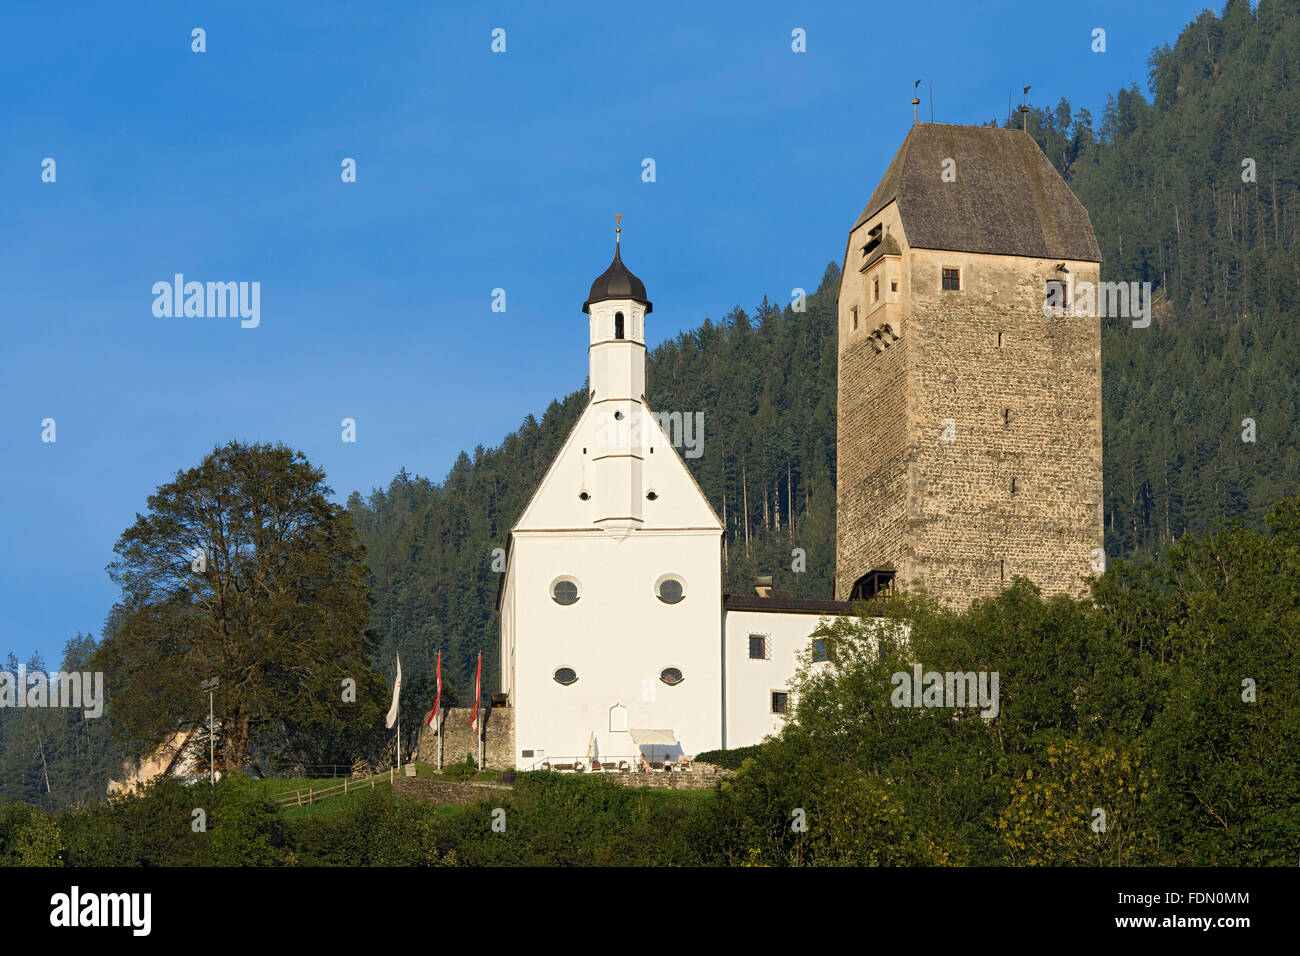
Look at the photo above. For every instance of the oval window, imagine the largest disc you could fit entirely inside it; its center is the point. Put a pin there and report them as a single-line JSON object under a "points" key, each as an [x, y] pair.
{"points": [[565, 676], [565, 592], [671, 590], [671, 676]]}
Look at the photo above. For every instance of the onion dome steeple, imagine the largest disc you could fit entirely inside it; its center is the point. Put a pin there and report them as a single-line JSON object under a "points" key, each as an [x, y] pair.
{"points": [[617, 282]]}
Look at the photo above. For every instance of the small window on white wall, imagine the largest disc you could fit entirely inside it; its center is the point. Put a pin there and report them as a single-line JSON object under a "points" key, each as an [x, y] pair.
{"points": [[670, 589], [564, 591], [565, 676], [672, 676]]}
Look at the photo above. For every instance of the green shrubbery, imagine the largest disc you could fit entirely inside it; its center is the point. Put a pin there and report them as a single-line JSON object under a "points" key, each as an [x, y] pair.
{"points": [[730, 759], [466, 768]]}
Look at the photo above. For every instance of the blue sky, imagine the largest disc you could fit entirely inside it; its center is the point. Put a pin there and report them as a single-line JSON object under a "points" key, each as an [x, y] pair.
{"points": [[475, 170]]}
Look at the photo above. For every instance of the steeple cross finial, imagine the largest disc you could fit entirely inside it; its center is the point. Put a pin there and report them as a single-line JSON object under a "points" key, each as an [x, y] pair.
{"points": [[618, 227]]}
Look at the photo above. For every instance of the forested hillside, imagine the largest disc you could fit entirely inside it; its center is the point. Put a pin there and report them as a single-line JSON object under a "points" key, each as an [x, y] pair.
{"points": [[1165, 182], [1162, 180], [55, 757]]}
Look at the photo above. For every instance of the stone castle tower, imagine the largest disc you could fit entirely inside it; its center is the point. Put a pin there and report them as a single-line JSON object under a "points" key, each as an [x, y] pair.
{"points": [[969, 426]]}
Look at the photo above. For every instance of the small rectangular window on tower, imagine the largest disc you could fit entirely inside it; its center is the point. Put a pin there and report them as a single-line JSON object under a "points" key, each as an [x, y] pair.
{"points": [[758, 647], [854, 312], [951, 280], [875, 289], [780, 701], [893, 286]]}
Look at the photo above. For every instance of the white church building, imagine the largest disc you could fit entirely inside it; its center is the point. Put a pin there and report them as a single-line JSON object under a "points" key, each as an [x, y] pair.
{"points": [[614, 625]]}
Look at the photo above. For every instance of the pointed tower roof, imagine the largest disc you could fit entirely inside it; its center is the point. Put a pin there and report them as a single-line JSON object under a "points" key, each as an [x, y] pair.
{"points": [[617, 282], [1007, 198]]}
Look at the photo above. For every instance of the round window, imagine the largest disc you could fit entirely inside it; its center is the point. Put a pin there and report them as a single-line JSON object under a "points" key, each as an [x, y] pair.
{"points": [[671, 676], [565, 676], [671, 590], [565, 591]]}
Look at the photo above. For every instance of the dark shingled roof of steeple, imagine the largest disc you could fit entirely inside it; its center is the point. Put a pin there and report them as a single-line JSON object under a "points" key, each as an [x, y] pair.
{"points": [[1007, 199], [617, 282]]}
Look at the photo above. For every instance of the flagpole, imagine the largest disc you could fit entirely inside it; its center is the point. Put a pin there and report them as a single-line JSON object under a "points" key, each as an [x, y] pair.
{"points": [[437, 706], [478, 709], [394, 715]]}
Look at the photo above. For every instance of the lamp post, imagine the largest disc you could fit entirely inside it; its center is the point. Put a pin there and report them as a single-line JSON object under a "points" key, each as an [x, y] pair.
{"points": [[211, 686]]}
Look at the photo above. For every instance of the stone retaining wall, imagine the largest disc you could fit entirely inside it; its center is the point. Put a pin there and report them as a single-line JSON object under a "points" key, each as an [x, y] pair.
{"points": [[446, 792], [459, 739], [702, 777]]}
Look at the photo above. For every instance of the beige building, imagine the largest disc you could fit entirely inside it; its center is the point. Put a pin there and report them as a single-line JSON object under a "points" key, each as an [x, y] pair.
{"points": [[969, 425]]}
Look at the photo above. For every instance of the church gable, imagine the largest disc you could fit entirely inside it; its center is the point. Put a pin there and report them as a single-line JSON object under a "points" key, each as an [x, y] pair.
{"points": [[669, 496]]}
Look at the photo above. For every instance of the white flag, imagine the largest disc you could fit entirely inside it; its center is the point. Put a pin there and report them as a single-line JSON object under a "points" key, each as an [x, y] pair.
{"points": [[397, 692]]}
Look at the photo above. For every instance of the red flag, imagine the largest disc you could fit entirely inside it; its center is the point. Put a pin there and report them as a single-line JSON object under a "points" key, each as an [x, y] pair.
{"points": [[437, 700], [478, 691]]}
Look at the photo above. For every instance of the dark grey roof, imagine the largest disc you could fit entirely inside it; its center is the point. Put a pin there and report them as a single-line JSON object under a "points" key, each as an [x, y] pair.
{"points": [[745, 602], [617, 283], [1007, 199]]}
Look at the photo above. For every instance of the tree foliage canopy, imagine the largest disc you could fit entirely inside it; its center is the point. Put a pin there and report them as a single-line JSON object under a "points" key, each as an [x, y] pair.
{"points": [[243, 570]]}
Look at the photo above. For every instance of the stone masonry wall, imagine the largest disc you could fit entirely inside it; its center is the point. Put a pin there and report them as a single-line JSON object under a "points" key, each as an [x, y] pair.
{"points": [[459, 739], [871, 493], [871, 423], [702, 777], [943, 513], [1028, 410]]}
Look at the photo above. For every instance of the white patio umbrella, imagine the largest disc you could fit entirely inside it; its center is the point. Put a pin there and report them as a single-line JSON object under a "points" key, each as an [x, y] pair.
{"points": [[653, 739], [591, 746]]}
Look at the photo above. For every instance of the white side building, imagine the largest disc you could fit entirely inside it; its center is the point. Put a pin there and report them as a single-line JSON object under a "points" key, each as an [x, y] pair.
{"points": [[613, 618]]}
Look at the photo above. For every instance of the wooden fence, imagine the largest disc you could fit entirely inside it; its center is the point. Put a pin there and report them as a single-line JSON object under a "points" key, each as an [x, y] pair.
{"points": [[307, 795]]}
